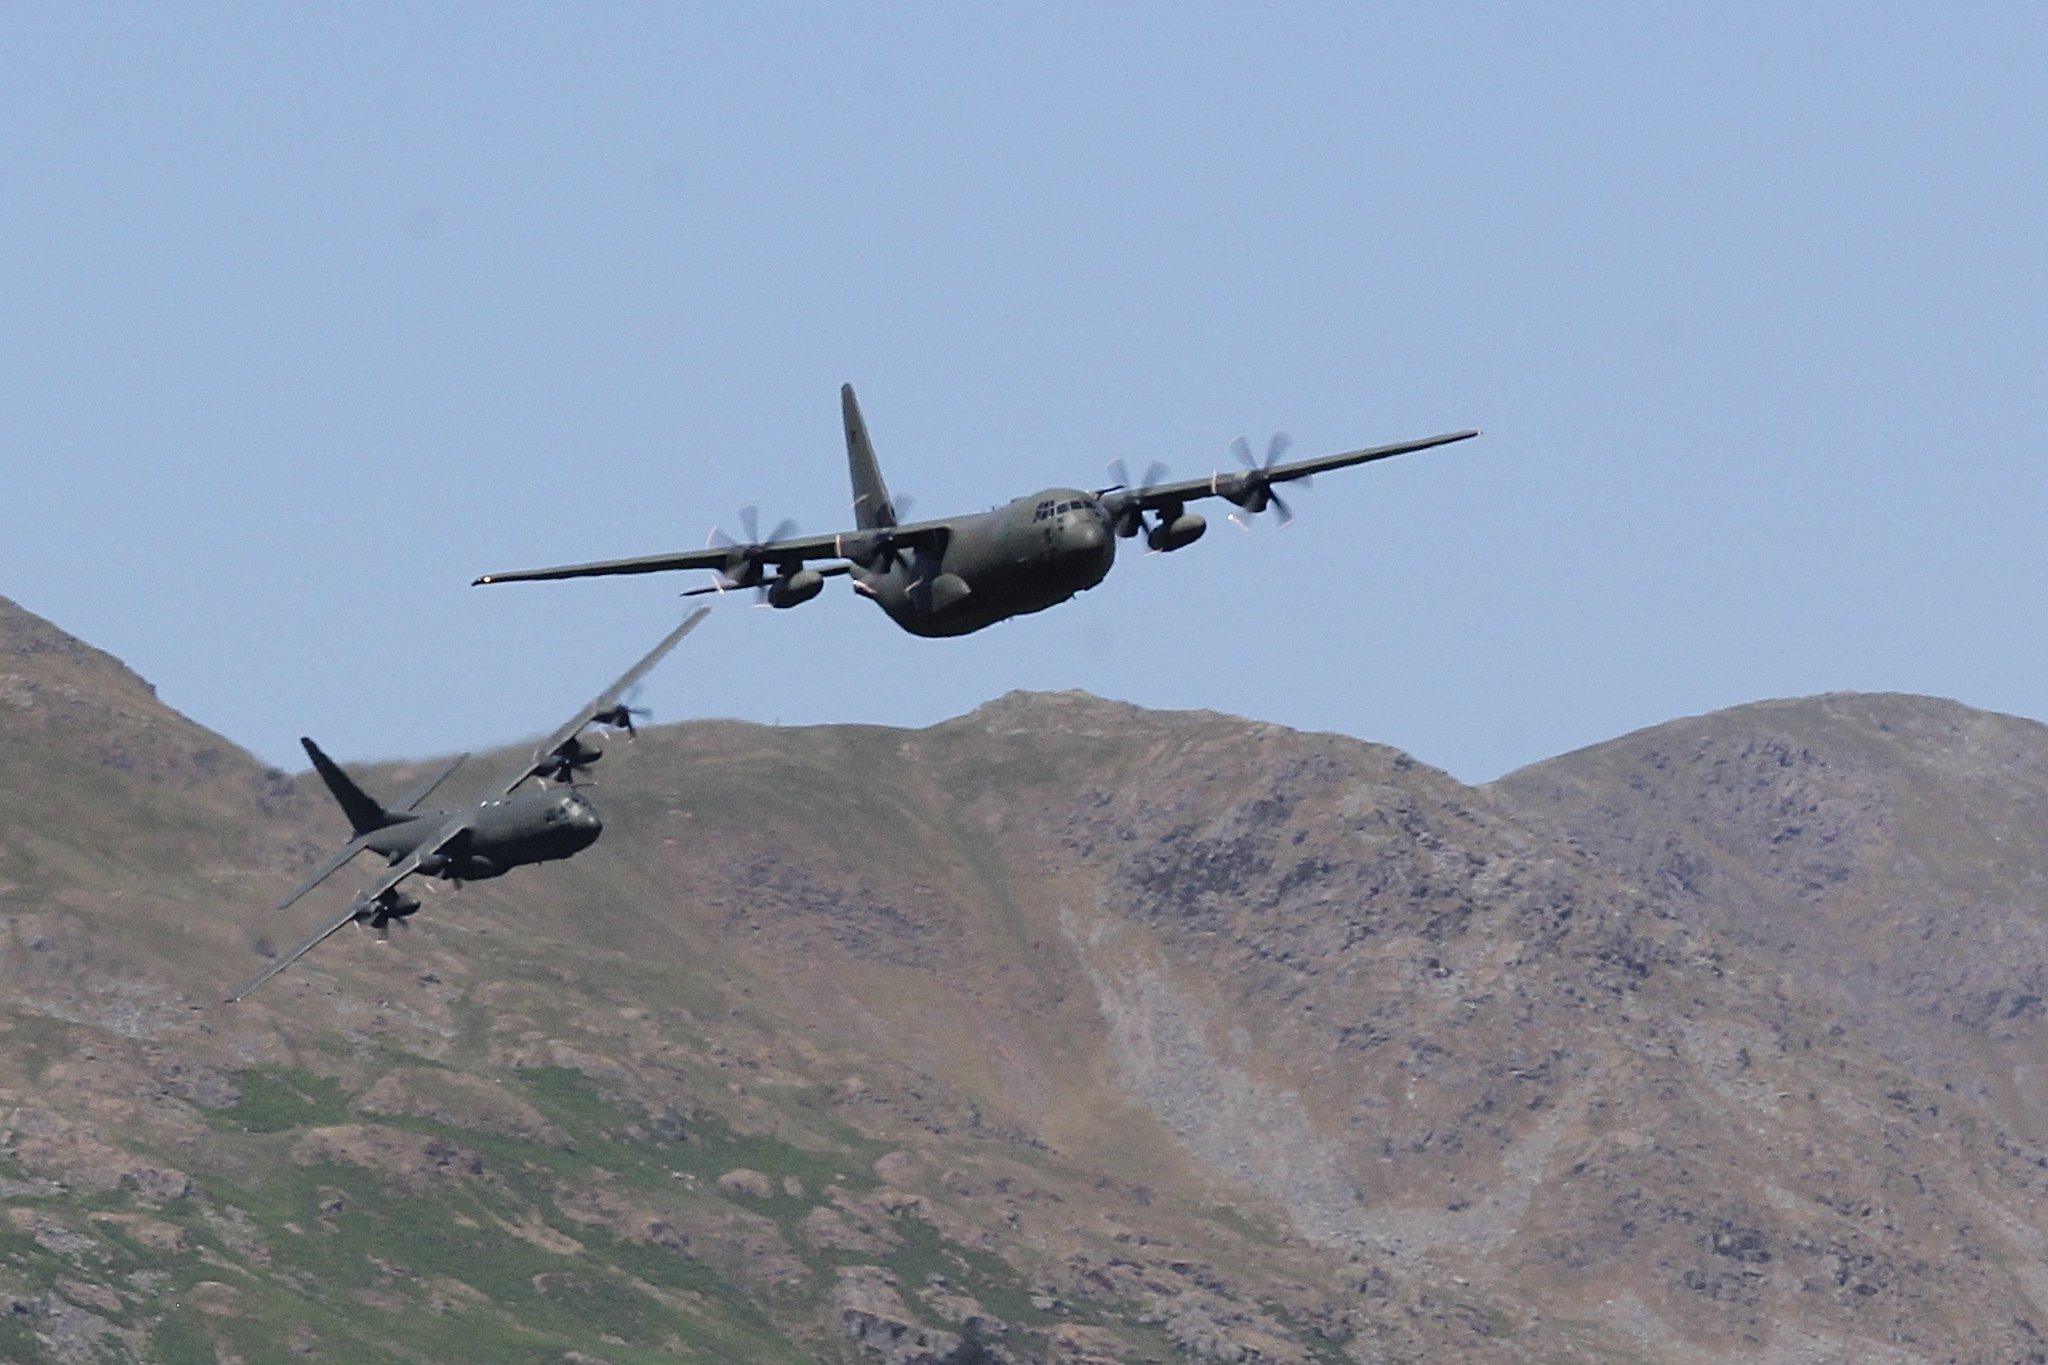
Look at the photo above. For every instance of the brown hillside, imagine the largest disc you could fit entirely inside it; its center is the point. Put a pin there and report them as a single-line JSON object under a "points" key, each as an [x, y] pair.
{"points": [[1889, 852], [1061, 1031]]}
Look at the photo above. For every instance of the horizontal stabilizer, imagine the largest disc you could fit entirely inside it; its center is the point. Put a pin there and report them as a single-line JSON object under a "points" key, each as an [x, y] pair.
{"points": [[427, 788], [324, 871]]}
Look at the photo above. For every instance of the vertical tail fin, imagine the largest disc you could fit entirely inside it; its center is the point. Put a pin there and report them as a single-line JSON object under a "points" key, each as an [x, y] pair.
{"points": [[361, 808], [871, 504]]}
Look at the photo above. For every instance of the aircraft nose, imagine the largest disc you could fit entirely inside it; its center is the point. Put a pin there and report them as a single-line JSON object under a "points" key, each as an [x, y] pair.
{"points": [[1087, 537]]}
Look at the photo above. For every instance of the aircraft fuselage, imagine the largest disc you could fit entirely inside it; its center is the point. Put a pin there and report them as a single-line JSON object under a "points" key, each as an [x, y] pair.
{"points": [[1019, 558], [519, 830]]}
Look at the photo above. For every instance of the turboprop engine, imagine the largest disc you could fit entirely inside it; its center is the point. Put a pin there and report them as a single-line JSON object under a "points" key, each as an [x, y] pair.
{"points": [[575, 756], [393, 907], [1182, 530]]}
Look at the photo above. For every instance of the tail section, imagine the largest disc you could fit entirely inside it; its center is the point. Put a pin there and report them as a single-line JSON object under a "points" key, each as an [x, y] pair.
{"points": [[871, 504], [361, 808]]}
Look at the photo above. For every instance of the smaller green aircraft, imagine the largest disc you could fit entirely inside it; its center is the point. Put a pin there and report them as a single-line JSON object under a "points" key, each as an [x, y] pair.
{"points": [[512, 828]]}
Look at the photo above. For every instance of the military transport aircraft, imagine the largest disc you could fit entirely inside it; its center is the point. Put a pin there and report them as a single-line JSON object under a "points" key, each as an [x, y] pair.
{"points": [[506, 830], [954, 575]]}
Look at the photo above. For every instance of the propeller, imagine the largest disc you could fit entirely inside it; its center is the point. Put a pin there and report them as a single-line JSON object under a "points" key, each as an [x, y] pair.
{"points": [[1128, 519], [1252, 490], [621, 717], [388, 909], [744, 558], [571, 758]]}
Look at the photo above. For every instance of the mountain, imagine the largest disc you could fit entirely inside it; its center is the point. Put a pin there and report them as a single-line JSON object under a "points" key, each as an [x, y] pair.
{"points": [[1891, 852], [1064, 1030]]}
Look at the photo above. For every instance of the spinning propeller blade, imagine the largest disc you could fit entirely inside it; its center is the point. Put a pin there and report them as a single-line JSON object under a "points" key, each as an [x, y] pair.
{"points": [[1125, 518], [745, 559], [1252, 490]]}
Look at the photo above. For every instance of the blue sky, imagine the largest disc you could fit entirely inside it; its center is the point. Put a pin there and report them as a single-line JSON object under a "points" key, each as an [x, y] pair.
{"points": [[313, 314]]}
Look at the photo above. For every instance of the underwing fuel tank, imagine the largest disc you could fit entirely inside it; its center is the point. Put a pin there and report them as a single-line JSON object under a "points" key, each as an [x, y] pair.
{"points": [[791, 590], [1184, 529]]}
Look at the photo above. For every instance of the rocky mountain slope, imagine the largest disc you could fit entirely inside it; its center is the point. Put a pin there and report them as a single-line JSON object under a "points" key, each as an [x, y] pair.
{"points": [[1061, 1031], [1891, 852]]}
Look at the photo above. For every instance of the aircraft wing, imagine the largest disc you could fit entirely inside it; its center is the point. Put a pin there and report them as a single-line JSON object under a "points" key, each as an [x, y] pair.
{"points": [[326, 931], [447, 834], [604, 702], [721, 558], [710, 557], [1221, 485]]}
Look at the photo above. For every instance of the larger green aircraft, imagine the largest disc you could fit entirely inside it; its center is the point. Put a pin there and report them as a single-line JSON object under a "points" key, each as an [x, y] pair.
{"points": [[954, 575], [515, 826]]}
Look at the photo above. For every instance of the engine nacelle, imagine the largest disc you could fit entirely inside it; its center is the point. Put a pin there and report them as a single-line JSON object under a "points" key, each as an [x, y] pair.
{"points": [[1184, 529], [793, 589], [391, 905], [575, 754]]}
